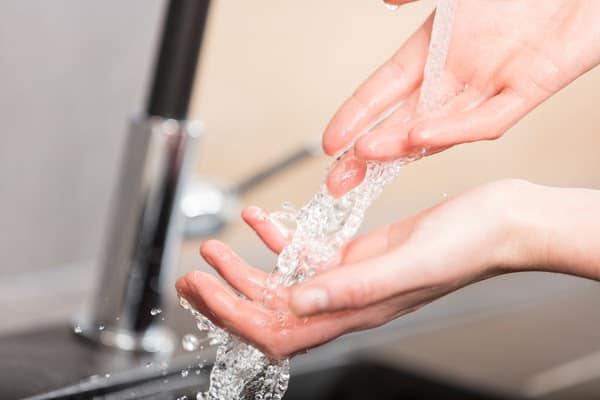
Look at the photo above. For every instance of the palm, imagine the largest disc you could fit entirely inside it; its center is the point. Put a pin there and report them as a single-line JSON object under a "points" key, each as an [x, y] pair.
{"points": [[505, 58], [382, 275]]}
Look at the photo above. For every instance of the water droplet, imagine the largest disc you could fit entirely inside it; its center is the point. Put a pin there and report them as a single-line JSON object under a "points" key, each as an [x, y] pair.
{"points": [[101, 328], [107, 375], [77, 329], [185, 373], [444, 195], [182, 398], [190, 342], [155, 311], [261, 215], [202, 325], [184, 303], [148, 364]]}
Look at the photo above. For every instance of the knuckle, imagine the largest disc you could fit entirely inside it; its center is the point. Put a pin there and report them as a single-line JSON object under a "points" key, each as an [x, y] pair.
{"points": [[494, 134], [377, 321], [276, 348]]}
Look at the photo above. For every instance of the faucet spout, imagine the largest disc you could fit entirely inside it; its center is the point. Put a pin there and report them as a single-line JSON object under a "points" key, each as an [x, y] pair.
{"points": [[145, 228], [143, 237]]}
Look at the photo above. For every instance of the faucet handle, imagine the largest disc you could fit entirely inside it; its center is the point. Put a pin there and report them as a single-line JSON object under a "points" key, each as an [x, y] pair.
{"points": [[310, 149], [207, 208]]}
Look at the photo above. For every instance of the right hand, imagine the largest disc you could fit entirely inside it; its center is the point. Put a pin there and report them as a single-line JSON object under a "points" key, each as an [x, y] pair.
{"points": [[505, 58]]}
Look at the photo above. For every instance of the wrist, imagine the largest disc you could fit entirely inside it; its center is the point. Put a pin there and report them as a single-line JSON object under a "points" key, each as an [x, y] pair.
{"points": [[518, 246], [555, 230]]}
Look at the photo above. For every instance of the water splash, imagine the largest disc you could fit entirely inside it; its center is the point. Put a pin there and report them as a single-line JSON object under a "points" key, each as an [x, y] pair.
{"points": [[321, 228], [155, 311], [391, 7], [190, 342]]}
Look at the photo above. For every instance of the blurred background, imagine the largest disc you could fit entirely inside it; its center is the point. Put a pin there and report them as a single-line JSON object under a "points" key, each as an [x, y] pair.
{"points": [[271, 75]]}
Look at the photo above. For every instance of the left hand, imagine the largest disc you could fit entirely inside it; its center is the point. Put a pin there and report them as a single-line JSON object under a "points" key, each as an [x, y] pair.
{"points": [[382, 275]]}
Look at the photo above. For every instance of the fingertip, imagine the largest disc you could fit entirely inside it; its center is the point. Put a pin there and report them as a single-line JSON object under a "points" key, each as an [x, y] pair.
{"points": [[208, 249], [344, 126], [345, 176], [248, 214], [329, 148], [205, 246], [253, 213], [181, 286], [186, 286]]}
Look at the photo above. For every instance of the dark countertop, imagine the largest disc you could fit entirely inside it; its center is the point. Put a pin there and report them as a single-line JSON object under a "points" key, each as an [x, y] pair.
{"points": [[499, 335]]}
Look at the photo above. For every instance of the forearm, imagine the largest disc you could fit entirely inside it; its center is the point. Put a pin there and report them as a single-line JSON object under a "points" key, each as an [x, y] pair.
{"points": [[559, 230]]}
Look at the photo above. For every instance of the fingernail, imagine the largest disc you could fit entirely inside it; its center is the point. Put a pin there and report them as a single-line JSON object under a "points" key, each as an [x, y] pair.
{"points": [[345, 176], [309, 301]]}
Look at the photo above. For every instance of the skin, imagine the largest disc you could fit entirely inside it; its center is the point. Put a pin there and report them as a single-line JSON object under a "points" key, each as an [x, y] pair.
{"points": [[393, 271], [506, 57]]}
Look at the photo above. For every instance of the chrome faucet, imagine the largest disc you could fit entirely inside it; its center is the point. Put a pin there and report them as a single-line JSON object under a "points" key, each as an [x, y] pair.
{"points": [[154, 206]]}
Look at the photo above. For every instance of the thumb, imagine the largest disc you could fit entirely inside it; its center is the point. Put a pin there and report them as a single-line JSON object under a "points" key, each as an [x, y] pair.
{"points": [[359, 285]]}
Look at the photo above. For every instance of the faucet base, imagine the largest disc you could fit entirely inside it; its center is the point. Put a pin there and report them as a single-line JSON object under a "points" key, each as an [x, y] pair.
{"points": [[156, 339]]}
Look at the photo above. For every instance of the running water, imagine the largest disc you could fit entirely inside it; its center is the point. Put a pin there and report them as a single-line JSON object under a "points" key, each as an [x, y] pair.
{"points": [[322, 227]]}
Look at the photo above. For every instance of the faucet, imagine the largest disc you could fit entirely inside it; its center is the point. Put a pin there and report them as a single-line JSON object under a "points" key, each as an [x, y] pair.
{"points": [[154, 206]]}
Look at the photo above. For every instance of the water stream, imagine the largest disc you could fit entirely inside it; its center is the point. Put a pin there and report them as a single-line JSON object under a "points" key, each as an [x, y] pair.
{"points": [[322, 227]]}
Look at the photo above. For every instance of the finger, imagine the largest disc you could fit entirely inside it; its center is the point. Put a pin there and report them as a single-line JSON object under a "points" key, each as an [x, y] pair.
{"points": [[274, 235], [277, 334], [361, 284], [366, 246], [486, 122], [349, 172], [345, 175], [223, 307], [247, 280], [393, 81], [390, 140], [386, 143]]}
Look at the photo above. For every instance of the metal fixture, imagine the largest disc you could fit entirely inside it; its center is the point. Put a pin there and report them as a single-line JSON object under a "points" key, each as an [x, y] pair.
{"points": [[144, 227], [208, 208], [149, 207]]}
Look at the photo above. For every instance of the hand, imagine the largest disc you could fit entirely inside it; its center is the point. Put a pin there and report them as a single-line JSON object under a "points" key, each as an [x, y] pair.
{"points": [[385, 273], [505, 58]]}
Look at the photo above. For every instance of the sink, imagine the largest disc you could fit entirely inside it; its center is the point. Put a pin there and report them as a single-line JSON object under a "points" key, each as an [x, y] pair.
{"points": [[353, 379], [60, 366], [454, 348], [363, 379]]}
